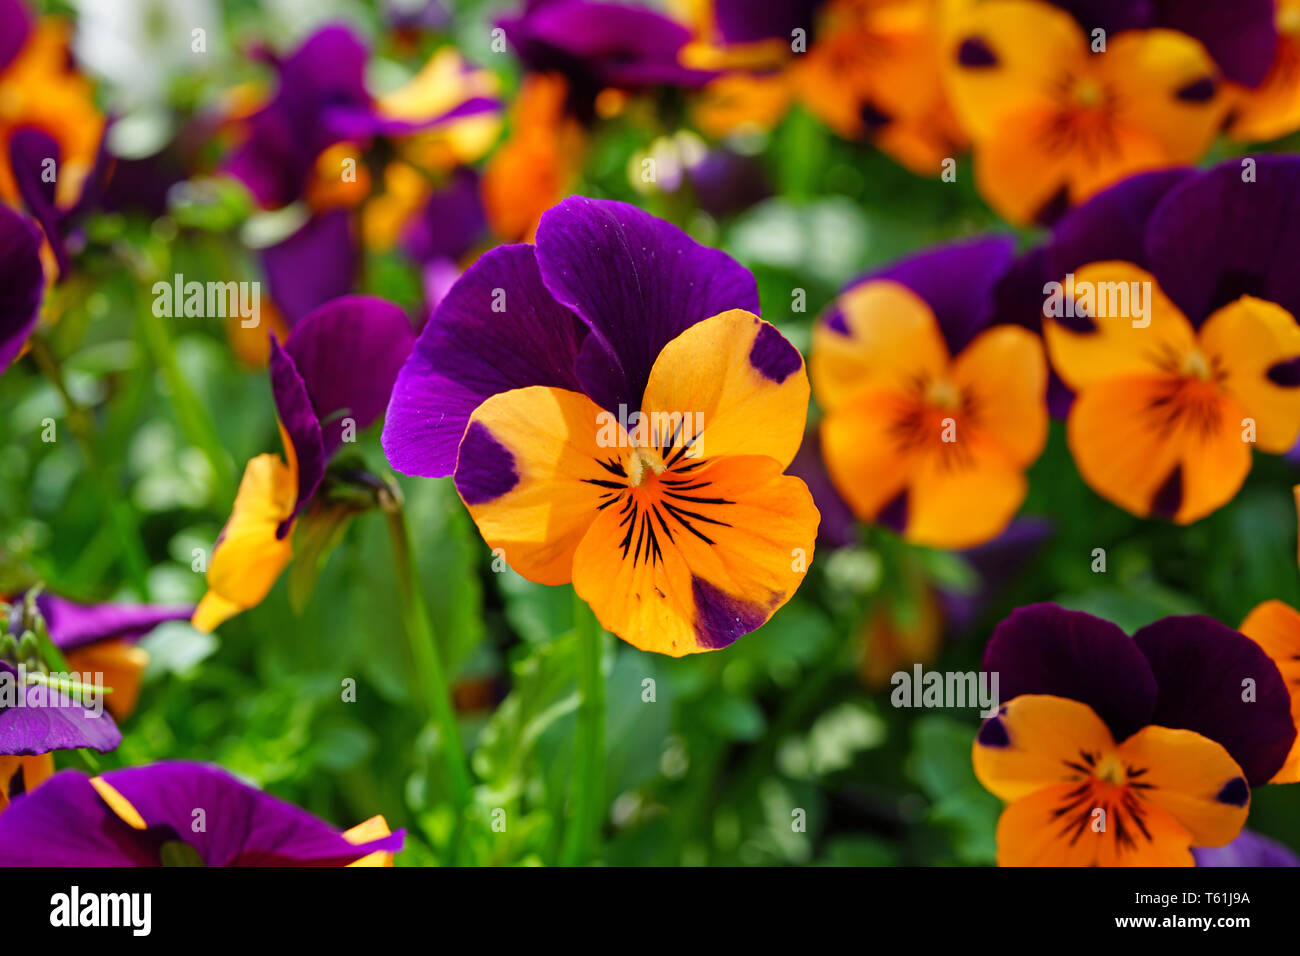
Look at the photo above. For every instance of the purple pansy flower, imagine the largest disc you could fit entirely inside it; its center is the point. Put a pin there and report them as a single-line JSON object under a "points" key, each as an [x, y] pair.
{"points": [[752, 21], [1188, 672], [601, 45], [22, 283], [44, 719], [74, 625], [145, 816], [589, 308]]}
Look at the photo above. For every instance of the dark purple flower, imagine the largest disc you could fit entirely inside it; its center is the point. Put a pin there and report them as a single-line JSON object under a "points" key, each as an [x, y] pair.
{"points": [[332, 378], [1186, 672], [67, 821], [317, 263], [600, 45], [22, 283], [1240, 34], [588, 309], [451, 222], [15, 28], [1248, 849]]}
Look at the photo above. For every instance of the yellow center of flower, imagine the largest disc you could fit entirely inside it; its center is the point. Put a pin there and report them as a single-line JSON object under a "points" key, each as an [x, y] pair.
{"points": [[943, 394], [1196, 366], [642, 463], [1111, 770], [1088, 92]]}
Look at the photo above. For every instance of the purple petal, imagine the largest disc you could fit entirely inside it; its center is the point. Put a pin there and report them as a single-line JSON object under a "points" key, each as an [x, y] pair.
{"points": [[1214, 238], [361, 122], [1045, 649], [22, 282], [1111, 225], [451, 223], [51, 720], [74, 625], [244, 826], [30, 150], [64, 822], [638, 282], [468, 352], [348, 353], [15, 28], [750, 21], [1248, 849], [1241, 35], [314, 265], [726, 183], [294, 409], [958, 281], [1201, 667]]}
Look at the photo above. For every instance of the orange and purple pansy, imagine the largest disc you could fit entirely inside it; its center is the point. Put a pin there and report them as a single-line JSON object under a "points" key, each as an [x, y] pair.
{"points": [[1267, 106], [931, 415], [1275, 626], [1053, 121], [1119, 751], [1169, 405], [330, 379], [616, 415], [146, 816]]}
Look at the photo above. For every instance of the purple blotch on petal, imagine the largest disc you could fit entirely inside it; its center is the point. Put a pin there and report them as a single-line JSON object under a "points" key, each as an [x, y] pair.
{"points": [[974, 53], [994, 734], [1169, 496], [485, 468], [773, 356], [1198, 91], [1235, 792], [721, 618], [1285, 374]]}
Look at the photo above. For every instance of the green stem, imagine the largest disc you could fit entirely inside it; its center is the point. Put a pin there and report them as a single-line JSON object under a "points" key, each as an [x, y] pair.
{"points": [[582, 838], [121, 514], [430, 675]]}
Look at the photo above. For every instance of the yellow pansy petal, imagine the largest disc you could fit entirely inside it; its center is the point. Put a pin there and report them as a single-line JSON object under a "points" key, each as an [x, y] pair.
{"points": [[1003, 376]]}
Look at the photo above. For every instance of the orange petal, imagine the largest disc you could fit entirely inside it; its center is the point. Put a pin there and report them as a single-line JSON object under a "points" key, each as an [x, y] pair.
{"points": [[963, 493], [863, 456], [1120, 294], [122, 665], [1248, 337], [729, 373], [893, 339], [1275, 626], [1159, 445], [1036, 741], [678, 568], [550, 440], [1003, 373], [1193, 779]]}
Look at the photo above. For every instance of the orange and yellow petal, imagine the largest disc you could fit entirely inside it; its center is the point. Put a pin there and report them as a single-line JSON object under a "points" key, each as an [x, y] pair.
{"points": [[686, 564], [893, 340], [249, 557], [963, 492], [1037, 741], [863, 456], [533, 472], [735, 384], [1245, 339], [1192, 778], [1003, 375], [1275, 626], [1115, 295], [1159, 446]]}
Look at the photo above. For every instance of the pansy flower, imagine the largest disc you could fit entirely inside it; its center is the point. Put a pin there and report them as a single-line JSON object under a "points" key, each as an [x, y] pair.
{"points": [[1275, 626], [1177, 386], [177, 814], [330, 379], [931, 418], [1053, 122], [1119, 751], [616, 415]]}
